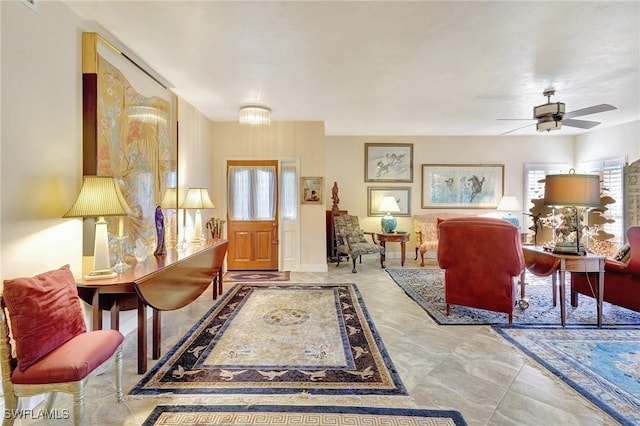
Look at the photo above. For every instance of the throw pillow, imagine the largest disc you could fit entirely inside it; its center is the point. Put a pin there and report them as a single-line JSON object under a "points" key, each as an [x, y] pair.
{"points": [[623, 253], [44, 312]]}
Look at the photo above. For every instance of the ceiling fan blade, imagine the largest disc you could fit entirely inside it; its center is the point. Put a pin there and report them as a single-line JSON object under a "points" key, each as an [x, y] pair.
{"points": [[511, 131], [591, 110], [582, 124]]}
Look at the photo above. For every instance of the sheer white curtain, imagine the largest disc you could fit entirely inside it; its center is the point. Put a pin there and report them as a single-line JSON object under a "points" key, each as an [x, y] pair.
{"points": [[288, 193], [252, 192]]}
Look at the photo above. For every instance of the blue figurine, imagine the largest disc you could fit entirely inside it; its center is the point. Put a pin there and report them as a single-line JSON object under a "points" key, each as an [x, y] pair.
{"points": [[160, 248]]}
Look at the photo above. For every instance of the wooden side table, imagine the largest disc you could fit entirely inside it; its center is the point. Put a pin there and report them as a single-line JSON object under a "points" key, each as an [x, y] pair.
{"points": [[394, 238], [567, 263]]}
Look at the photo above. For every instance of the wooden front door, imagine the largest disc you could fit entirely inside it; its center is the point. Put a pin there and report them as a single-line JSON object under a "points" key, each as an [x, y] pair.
{"points": [[252, 216]]}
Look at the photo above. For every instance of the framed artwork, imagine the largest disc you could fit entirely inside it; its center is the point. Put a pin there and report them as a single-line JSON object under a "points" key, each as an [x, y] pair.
{"points": [[402, 194], [384, 162], [311, 190], [129, 132], [472, 186]]}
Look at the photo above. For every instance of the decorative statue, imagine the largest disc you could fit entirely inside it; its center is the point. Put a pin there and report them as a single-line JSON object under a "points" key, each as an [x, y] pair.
{"points": [[334, 197], [160, 248]]}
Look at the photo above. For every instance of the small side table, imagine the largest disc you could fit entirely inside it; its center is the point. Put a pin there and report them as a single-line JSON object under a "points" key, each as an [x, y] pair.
{"points": [[394, 238]]}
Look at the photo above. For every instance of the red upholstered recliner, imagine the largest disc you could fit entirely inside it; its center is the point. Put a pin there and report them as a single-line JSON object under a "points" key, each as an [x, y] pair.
{"points": [[480, 256], [621, 280]]}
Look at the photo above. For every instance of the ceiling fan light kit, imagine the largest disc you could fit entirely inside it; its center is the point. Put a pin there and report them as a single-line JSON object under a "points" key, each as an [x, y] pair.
{"points": [[551, 115], [544, 125]]}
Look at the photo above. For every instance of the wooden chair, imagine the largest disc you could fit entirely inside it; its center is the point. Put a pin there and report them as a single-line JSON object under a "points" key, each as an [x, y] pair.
{"points": [[54, 351]]}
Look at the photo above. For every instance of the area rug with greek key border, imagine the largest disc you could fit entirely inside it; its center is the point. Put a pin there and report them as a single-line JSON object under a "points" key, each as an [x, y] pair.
{"points": [[249, 276], [603, 364], [300, 415], [262, 338]]}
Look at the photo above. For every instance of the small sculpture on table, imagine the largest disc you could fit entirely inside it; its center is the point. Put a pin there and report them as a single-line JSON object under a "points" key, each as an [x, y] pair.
{"points": [[160, 248], [335, 198]]}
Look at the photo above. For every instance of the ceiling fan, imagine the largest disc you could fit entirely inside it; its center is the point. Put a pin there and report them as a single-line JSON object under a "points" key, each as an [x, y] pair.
{"points": [[552, 115]]}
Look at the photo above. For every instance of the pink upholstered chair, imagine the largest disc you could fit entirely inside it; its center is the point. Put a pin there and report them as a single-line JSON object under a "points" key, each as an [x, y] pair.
{"points": [[53, 350], [481, 257]]}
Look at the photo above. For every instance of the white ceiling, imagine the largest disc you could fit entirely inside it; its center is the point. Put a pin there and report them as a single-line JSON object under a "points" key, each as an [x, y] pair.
{"points": [[388, 68]]}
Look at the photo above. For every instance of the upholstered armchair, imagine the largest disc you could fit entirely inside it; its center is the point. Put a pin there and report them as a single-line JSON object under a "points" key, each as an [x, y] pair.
{"points": [[481, 257], [53, 350], [621, 278], [351, 240]]}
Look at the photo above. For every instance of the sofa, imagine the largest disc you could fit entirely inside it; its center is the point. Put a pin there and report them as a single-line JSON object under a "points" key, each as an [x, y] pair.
{"points": [[621, 278], [425, 227], [482, 258]]}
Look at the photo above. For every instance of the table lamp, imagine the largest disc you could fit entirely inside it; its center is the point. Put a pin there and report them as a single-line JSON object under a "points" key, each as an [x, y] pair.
{"points": [[573, 191], [197, 198], [508, 204], [100, 196], [388, 222]]}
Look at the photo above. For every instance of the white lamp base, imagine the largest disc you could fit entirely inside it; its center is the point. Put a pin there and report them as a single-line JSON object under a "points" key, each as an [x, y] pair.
{"points": [[101, 258]]}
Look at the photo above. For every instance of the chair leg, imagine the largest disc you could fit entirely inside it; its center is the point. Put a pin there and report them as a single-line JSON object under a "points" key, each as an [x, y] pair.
{"points": [[354, 265], [574, 299], [510, 318], [422, 258], [51, 399], [78, 405], [118, 368], [11, 408], [446, 310], [416, 254]]}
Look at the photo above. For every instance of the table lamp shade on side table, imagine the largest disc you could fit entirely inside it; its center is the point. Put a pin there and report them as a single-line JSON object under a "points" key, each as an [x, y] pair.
{"points": [[100, 196], [574, 191], [388, 205]]}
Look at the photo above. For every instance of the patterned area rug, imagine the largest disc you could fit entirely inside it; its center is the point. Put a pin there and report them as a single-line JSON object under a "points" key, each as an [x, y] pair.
{"points": [[601, 364], [299, 415], [426, 287], [278, 339], [247, 276]]}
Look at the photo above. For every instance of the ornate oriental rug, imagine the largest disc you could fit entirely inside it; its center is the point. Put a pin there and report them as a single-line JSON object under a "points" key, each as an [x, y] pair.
{"points": [[248, 276], [426, 288], [278, 339], [602, 364], [299, 415]]}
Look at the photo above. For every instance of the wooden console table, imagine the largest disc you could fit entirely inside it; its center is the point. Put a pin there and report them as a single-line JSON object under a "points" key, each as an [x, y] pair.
{"points": [[396, 238], [163, 282], [536, 256]]}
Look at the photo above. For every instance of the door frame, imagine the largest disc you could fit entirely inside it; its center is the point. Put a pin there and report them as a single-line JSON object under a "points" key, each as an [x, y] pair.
{"points": [[294, 264]]}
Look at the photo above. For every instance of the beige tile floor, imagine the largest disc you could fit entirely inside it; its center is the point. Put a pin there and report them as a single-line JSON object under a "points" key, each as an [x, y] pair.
{"points": [[467, 368]]}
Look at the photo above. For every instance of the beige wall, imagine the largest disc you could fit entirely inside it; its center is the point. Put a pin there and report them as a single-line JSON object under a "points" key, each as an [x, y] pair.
{"points": [[41, 169], [612, 142], [295, 141], [345, 165], [40, 163]]}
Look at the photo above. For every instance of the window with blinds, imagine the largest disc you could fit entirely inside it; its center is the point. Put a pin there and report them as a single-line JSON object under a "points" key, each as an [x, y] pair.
{"points": [[534, 189], [533, 174], [611, 183]]}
